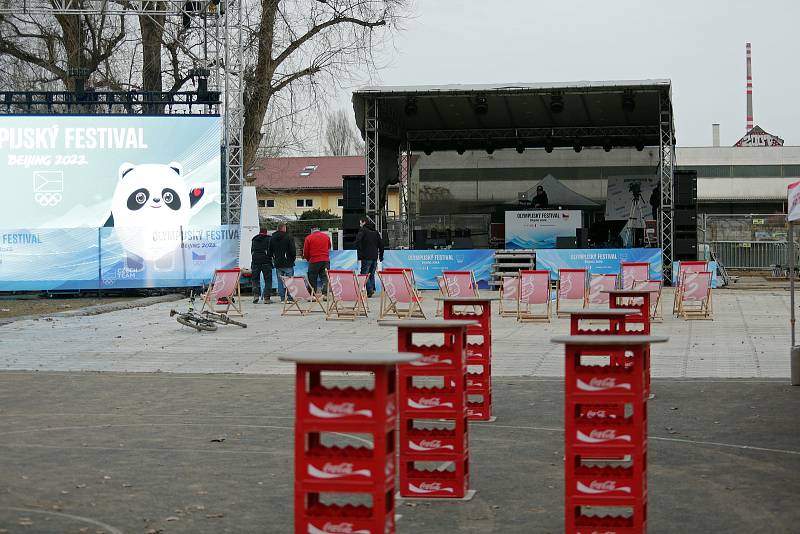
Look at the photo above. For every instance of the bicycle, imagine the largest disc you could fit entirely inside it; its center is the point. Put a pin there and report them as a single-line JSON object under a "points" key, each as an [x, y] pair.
{"points": [[204, 321]]}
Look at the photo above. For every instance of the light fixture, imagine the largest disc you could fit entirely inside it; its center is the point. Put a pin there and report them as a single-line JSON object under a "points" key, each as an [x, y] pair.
{"points": [[639, 145], [481, 105], [557, 103], [489, 147], [411, 105], [628, 101], [427, 149], [607, 144], [548, 144], [460, 148], [577, 146], [520, 146]]}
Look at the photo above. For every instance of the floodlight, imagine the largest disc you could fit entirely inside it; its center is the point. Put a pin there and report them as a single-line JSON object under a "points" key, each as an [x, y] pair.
{"points": [[557, 103], [577, 146], [481, 105], [411, 105], [628, 101], [607, 144]]}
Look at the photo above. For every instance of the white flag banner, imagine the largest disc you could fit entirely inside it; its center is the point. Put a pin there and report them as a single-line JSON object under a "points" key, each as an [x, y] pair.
{"points": [[793, 212]]}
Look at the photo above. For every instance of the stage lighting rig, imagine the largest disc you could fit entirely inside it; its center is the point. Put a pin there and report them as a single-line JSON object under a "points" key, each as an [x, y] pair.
{"points": [[520, 146], [607, 144], [639, 145], [548, 144], [577, 146], [411, 105], [628, 101], [489, 147]]}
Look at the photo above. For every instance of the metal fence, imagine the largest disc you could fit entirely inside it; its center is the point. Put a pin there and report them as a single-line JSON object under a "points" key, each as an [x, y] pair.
{"points": [[747, 242]]}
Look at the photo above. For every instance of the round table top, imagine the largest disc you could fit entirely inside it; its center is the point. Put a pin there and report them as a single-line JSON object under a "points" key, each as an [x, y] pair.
{"points": [[603, 313], [433, 323], [626, 291], [613, 340], [464, 299], [351, 358]]}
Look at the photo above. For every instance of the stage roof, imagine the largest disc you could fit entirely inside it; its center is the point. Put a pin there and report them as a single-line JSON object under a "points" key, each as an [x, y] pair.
{"points": [[454, 117]]}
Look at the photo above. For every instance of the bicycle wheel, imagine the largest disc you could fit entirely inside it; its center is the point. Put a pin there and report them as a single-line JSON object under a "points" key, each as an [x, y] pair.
{"points": [[197, 324]]}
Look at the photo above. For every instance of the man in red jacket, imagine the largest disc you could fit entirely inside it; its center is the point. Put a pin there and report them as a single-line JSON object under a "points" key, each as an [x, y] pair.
{"points": [[316, 249]]}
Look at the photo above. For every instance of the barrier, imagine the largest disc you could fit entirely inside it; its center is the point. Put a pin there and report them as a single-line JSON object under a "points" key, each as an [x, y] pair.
{"points": [[605, 424], [433, 418], [321, 469]]}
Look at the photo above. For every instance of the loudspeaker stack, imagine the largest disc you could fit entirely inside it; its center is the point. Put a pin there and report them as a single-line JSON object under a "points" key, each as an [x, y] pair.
{"points": [[354, 198], [685, 218]]}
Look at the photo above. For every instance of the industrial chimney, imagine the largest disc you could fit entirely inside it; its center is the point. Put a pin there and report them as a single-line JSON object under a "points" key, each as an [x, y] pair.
{"points": [[749, 89], [715, 134]]}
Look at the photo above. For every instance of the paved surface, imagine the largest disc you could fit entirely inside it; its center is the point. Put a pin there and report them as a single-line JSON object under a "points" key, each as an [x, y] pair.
{"points": [[749, 337], [103, 452]]}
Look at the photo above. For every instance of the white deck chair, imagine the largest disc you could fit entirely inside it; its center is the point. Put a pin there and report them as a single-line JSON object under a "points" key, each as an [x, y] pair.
{"points": [[509, 296], [598, 284], [695, 300], [346, 298], [302, 301], [534, 296], [572, 290], [224, 294], [402, 299]]}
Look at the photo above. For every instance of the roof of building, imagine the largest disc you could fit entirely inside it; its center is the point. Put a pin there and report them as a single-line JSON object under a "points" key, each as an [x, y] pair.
{"points": [[312, 172], [742, 189]]}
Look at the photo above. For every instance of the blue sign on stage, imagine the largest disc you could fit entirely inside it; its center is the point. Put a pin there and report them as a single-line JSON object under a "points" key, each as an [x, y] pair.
{"points": [[597, 261], [712, 266]]}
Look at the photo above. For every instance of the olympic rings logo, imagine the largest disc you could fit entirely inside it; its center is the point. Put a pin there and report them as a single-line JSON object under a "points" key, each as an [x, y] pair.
{"points": [[47, 199]]}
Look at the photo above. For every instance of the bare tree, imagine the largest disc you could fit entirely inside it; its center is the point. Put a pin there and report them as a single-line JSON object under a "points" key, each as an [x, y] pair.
{"points": [[340, 138]]}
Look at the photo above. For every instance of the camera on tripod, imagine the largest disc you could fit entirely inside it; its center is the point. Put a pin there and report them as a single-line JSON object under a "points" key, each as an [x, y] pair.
{"points": [[636, 190]]}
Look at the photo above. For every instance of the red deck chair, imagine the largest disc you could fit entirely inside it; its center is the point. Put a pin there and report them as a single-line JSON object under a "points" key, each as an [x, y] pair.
{"points": [[409, 274], [633, 271], [598, 284], [684, 268], [402, 299], [534, 296], [362, 284], [442, 293], [224, 294], [654, 287], [695, 300], [460, 284], [303, 300], [346, 298], [572, 290], [509, 296]]}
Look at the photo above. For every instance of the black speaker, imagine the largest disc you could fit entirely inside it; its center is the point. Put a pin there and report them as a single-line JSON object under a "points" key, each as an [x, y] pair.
{"points": [[685, 219], [685, 183], [566, 242], [582, 237], [351, 221], [354, 192], [685, 246]]}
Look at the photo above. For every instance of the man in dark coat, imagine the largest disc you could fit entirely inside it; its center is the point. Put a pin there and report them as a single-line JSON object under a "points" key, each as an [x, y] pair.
{"points": [[369, 245], [283, 253], [260, 263], [655, 200], [540, 200]]}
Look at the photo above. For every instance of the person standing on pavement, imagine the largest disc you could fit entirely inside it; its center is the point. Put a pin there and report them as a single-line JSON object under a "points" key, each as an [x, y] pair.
{"points": [[369, 245], [316, 249], [283, 254], [260, 263]]}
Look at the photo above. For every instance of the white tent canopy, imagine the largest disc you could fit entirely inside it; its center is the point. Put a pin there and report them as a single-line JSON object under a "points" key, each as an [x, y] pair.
{"points": [[559, 195]]}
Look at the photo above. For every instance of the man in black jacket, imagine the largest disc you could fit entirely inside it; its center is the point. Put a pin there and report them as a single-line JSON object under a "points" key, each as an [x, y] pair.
{"points": [[283, 254], [369, 245], [260, 263]]}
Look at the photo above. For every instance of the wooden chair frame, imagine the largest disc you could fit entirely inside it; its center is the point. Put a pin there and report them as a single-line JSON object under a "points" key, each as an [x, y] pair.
{"points": [[559, 312], [392, 307], [656, 305], [683, 268], [525, 314], [704, 308], [295, 304], [514, 310], [340, 309], [232, 296]]}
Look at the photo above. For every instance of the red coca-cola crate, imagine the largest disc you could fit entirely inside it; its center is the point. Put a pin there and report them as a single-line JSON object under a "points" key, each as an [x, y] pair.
{"points": [[436, 441], [478, 353], [335, 519], [478, 382], [348, 467], [434, 483], [608, 524], [428, 401], [605, 381]]}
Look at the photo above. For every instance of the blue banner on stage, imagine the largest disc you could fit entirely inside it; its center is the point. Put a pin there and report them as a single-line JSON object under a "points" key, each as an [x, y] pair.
{"points": [[428, 264], [597, 261]]}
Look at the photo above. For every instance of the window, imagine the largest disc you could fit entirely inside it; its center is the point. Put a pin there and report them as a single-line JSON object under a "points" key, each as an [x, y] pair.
{"points": [[270, 202], [309, 203], [299, 202], [262, 203], [305, 202], [340, 202]]}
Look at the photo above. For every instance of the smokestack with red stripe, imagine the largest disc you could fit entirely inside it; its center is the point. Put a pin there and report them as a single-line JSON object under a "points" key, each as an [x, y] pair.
{"points": [[749, 89]]}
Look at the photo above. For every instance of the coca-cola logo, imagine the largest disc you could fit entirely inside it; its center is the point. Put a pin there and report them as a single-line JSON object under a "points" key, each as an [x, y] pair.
{"points": [[432, 401], [602, 436], [338, 528], [431, 486], [601, 384], [610, 485], [431, 443], [598, 487], [345, 408], [338, 469], [602, 414], [431, 359], [333, 410]]}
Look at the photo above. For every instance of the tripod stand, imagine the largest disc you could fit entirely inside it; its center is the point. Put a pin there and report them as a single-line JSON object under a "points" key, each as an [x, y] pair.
{"points": [[635, 217]]}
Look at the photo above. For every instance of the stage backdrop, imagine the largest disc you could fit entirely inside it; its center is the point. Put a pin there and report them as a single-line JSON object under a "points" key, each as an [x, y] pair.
{"points": [[540, 228], [598, 261], [98, 258], [619, 196]]}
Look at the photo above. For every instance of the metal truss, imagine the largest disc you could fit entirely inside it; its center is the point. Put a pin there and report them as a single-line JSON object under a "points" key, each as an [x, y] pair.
{"points": [[666, 172], [223, 32], [404, 173], [371, 125], [570, 133]]}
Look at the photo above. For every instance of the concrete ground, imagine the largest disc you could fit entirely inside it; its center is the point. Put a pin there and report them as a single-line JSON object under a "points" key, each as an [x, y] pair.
{"points": [[749, 337], [186, 453]]}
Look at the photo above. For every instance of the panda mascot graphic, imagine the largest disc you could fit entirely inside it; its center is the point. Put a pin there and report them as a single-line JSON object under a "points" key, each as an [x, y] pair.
{"points": [[150, 204]]}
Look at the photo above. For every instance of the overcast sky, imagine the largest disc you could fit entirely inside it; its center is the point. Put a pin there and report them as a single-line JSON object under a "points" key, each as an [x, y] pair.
{"points": [[698, 44]]}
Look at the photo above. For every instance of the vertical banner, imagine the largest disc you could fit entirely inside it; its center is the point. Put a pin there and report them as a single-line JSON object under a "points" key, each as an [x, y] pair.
{"points": [[793, 197], [536, 229], [598, 261]]}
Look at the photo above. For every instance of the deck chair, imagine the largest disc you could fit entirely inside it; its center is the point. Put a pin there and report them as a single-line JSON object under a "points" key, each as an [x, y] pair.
{"points": [[362, 284], [572, 290], [684, 268], [460, 284], [402, 299], [598, 284], [654, 287], [409, 274], [224, 294], [346, 298], [442, 293], [303, 300], [509, 296], [534, 296], [632, 271], [695, 300]]}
